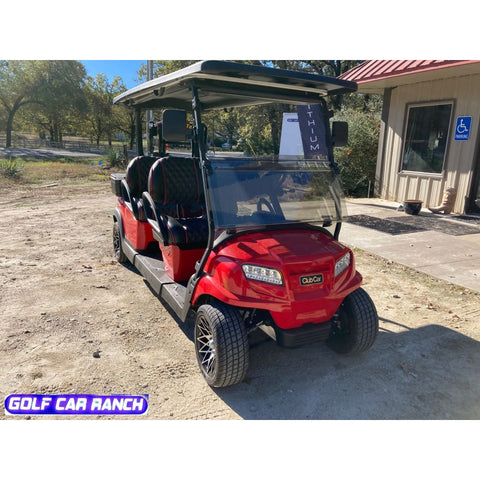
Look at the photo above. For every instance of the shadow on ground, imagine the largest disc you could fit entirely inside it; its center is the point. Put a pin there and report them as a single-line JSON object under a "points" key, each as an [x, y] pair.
{"points": [[430, 372], [425, 373]]}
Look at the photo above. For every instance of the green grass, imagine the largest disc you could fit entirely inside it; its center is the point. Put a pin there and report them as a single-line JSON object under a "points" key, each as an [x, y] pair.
{"points": [[63, 160], [34, 171]]}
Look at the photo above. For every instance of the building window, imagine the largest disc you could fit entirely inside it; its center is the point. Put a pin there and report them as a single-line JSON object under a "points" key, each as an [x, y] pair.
{"points": [[426, 137]]}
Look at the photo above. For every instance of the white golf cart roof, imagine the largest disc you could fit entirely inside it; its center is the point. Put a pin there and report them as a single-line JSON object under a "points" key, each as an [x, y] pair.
{"points": [[226, 84]]}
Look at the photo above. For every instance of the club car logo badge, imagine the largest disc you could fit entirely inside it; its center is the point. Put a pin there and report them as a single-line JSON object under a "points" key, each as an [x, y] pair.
{"points": [[306, 280]]}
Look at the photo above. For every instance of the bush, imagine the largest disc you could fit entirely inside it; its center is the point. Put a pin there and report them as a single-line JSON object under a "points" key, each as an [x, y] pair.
{"points": [[10, 169], [357, 161], [115, 159]]}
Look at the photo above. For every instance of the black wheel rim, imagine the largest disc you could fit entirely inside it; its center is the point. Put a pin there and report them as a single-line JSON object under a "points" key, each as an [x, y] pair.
{"points": [[205, 344], [116, 241]]}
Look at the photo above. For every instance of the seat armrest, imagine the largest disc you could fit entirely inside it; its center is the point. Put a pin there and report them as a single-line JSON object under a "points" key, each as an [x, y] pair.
{"points": [[154, 218], [127, 197]]}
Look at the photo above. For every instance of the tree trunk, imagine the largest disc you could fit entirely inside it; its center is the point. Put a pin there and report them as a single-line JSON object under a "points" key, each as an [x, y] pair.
{"points": [[11, 115], [8, 140], [132, 136], [273, 117]]}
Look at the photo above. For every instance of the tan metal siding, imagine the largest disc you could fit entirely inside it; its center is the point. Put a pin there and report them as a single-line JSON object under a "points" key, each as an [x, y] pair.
{"points": [[397, 186]]}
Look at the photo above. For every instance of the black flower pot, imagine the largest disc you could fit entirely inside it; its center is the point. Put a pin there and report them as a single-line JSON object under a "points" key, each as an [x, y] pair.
{"points": [[412, 207]]}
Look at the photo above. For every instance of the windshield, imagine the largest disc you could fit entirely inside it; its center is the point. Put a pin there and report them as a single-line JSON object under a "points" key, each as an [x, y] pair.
{"points": [[271, 165], [250, 193]]}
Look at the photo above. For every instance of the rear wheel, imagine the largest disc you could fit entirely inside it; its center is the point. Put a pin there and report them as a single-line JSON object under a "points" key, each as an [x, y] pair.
{"points": [[117, 244], [357, 325], [221, 344]]}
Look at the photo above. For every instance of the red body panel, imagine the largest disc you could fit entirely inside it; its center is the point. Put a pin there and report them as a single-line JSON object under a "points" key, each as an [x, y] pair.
{"points": [[294, 252], [139, 234], [180, 264]]}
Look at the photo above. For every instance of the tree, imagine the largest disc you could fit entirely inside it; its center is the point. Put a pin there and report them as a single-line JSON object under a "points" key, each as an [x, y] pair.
{"points": [[50, 87], [103, 117], [20, 81], [61, 98], [125, 123], [358, 159]]}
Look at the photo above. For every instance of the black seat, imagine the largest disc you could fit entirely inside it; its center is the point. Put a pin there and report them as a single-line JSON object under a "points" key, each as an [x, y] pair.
{"points": [[135, 183], [177, 203]]}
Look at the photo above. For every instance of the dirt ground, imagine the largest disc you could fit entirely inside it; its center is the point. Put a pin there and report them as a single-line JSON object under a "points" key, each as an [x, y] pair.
{"points": [[73, 320]]}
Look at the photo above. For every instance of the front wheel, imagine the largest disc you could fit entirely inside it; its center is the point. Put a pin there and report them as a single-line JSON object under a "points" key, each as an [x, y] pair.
{"points": [[221, 344], [357, 325]]}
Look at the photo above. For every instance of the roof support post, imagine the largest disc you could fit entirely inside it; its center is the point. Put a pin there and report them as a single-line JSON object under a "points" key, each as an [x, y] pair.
{"points": [[199, 141], [139, 131], [198, 137]]}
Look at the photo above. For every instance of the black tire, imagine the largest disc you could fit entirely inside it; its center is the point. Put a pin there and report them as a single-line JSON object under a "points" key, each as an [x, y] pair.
{"points": [[117, 244], [357, 325], [221, 344]]}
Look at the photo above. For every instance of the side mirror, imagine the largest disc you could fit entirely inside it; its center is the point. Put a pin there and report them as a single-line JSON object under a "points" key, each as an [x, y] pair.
{"points": [[339, 134], [174, 125]]}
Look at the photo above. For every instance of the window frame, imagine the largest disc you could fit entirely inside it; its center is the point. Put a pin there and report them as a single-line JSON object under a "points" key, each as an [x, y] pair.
{"points": [[430, 103]]}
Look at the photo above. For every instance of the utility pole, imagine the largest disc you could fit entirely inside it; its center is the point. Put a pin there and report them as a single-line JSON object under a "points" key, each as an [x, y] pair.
{"points": [[149, 113]]}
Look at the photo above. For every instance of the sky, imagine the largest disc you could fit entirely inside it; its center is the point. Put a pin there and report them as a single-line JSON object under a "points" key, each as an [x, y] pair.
{"points": [[127, 69]]}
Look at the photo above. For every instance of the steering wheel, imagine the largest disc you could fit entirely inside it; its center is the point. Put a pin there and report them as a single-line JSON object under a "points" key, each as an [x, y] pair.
{"points": [[264, 201]]}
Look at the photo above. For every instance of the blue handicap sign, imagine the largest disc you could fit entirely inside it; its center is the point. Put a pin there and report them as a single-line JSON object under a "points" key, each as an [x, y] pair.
{"points": [[462, 128]]}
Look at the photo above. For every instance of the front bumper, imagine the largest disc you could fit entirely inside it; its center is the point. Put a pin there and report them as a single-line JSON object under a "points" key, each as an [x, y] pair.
{"points": [[297, 337]]}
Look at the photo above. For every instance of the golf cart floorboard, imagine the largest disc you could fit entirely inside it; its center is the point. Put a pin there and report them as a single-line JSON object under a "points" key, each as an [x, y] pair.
{"points": [[152, 269]]}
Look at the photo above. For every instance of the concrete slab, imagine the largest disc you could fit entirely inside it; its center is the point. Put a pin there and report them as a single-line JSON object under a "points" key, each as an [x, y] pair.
{"points": [[453, 258], [466, 273]]}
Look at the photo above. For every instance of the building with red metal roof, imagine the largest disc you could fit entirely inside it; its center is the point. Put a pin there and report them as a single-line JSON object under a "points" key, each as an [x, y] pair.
{"points": [[430, 133]]}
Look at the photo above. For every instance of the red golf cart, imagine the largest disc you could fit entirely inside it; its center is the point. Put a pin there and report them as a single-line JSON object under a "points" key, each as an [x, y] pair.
{"points": [[244, 239]]}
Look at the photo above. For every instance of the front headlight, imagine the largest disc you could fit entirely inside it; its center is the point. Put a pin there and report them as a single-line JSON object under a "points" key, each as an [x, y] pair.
{"points": [[342, 264], [262, 274]]}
